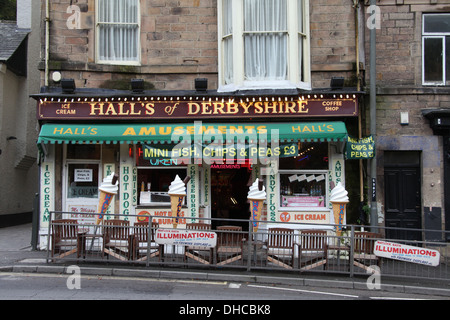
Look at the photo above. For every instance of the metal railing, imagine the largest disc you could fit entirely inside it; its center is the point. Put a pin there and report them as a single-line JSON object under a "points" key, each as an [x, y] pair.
{"points": [[231, 243]]}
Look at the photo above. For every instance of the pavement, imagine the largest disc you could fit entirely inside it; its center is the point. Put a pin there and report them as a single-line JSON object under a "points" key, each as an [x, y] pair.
{"points": [[16, 255]]}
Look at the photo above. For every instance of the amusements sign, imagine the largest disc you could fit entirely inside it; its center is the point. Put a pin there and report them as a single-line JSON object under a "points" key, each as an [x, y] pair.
{"points": [[185, 108], [357, 149], [396, 251]]}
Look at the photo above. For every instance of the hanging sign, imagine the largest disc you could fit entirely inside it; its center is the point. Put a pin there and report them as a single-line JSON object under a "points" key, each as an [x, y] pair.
{"points": [[190, 108], [183, 237], [397, 251], [358, 149]]}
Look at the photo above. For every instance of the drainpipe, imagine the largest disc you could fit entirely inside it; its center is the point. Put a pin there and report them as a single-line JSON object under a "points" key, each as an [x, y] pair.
{"points": [[373, 123], [47, 41], [358, 88]]}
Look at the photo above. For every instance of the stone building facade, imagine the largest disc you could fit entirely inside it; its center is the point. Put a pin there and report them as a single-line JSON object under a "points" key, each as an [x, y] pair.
{"points": [[411, 156], [183, 40]]}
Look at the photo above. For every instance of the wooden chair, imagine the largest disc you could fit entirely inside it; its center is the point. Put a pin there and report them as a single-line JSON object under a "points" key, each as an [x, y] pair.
{"points": [[65, 238], [364, 243], [193, 252], [140, 242], [313, 249], [230, 243], [116, 239], [280, 243]]}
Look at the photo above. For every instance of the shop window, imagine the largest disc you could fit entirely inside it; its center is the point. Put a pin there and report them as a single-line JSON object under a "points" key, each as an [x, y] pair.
{"points": [[303, 189], [264, 44], [118, 31], [154, 177], [311, 155], [436, 49], [304, 178], [83, 151], [82, 180], [154, 184]]}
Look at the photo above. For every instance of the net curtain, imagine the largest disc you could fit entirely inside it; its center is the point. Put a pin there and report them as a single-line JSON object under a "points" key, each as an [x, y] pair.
{"points": [[118, 30], [265, 42]]}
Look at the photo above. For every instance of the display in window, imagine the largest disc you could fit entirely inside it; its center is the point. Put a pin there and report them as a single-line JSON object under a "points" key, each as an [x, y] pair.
{"points": [[154, 184], [82, 181], [303, 190]]}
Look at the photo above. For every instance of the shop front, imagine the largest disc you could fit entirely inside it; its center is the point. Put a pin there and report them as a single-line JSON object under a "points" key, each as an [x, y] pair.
{"points": [[294, 143]]}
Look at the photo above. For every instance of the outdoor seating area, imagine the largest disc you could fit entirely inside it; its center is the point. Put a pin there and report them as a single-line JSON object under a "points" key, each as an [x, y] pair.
{"points": [[284, 248], [227, 243]]}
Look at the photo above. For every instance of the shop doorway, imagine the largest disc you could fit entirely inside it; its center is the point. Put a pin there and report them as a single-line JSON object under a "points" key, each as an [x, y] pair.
{"points": [[402, 181], [229, 188]]}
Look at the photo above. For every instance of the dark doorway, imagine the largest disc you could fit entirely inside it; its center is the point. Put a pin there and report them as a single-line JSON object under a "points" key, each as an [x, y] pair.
{"points": [[229, 188], [402, 180]]}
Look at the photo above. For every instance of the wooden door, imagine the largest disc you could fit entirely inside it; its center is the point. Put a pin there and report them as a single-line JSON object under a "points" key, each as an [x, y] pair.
{"points": [[403, 202]]}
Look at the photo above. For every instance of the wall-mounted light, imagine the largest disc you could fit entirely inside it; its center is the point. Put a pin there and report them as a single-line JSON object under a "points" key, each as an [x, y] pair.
{"points": [[137, 85], [201, 84], [404, 118], [68, 85], [337, 83]]}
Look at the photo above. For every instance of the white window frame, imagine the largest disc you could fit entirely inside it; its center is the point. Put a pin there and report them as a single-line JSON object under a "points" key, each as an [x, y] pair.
{"points": [[435, 35], [293, 78], [97, 42]]}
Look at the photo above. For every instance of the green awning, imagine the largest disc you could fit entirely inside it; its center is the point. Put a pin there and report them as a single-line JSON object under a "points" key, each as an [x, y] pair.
{"points": [[198, 131]]}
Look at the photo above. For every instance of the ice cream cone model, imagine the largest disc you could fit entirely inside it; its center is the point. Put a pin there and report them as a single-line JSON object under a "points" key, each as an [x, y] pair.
{"points": [[256, 196], [177, 192], [108, 190], [339, 200]]}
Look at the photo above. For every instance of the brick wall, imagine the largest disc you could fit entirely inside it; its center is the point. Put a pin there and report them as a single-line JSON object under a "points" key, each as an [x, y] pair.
{"points": [[179, 43], [399, 89]]}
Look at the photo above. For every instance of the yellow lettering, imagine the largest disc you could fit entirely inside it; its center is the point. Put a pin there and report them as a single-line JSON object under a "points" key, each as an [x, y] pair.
{"points": [[258, 107], [111, 110], [146, 131], [95, 109], [273, 107], [193, 108], [302, 106], [150, 109], [129, 132]]}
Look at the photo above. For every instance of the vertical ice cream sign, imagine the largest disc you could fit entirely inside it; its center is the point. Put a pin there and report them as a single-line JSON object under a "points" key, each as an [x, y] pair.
{"points": [[47, 192]]}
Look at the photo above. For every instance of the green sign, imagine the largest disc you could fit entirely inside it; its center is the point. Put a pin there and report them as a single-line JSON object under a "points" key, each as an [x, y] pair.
{"points": [[360, 148]]}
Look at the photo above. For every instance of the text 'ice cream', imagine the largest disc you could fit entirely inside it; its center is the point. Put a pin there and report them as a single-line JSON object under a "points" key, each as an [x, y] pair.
{"points": [[254, 192], [339, 194], [177, 187], [108, 185]]}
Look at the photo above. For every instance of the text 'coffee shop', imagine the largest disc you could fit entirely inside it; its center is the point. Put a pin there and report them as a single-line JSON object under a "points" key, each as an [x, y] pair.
{"points": [[223, 143]]}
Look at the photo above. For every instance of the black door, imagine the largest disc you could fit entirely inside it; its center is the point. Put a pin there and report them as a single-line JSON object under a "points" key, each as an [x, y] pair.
{"points": [[402, 201]]}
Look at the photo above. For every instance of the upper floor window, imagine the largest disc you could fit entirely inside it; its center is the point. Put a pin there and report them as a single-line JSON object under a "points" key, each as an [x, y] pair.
{"points": [[263, 44], [436, 49], [118, 31]]}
